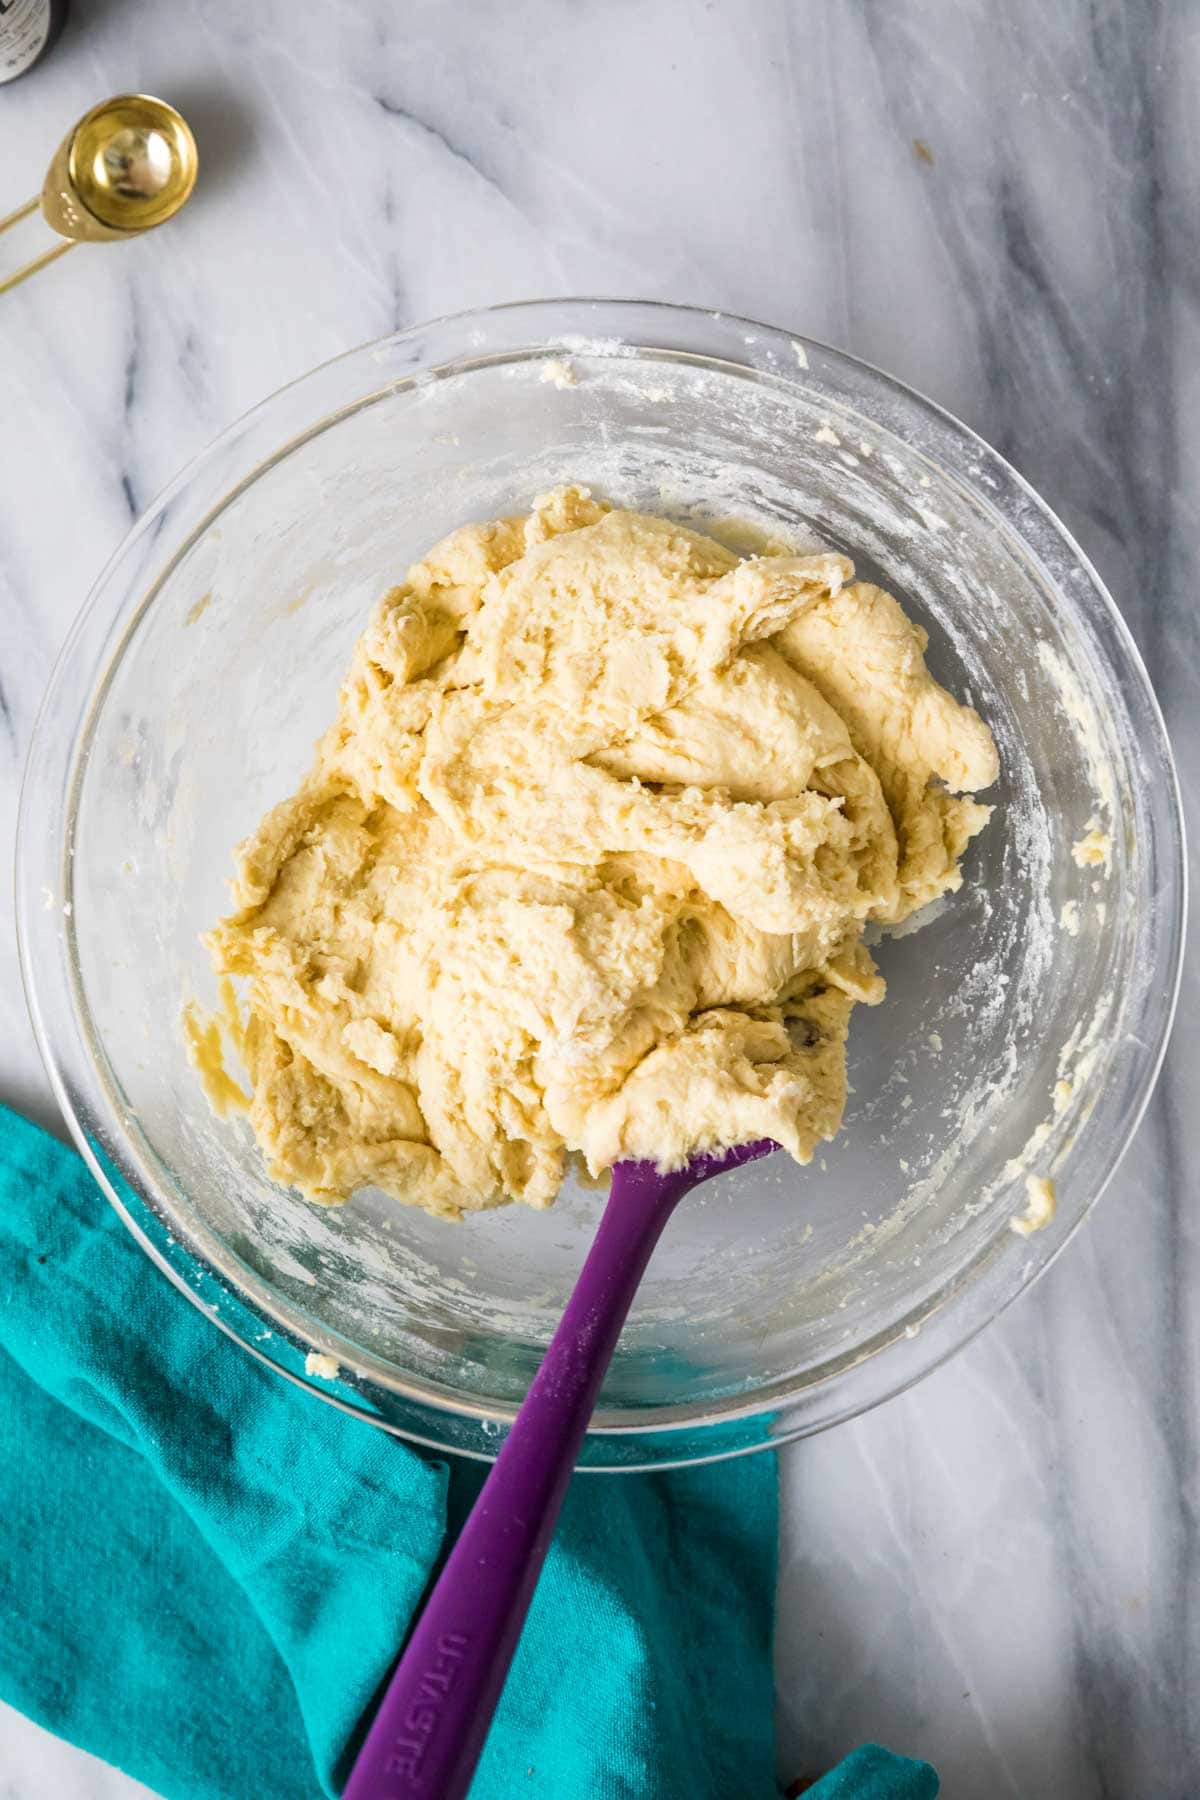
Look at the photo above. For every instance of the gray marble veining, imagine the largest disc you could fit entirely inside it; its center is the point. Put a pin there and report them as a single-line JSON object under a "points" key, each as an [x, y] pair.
{"points": [[998, 204]]}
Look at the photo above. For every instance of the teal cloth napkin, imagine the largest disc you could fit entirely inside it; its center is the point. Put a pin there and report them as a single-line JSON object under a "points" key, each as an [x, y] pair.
{"points": [[208, 1571]]}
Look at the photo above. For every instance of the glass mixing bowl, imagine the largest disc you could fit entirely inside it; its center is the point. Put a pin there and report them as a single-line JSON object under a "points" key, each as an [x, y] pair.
{"points": [[1024, 1022]]}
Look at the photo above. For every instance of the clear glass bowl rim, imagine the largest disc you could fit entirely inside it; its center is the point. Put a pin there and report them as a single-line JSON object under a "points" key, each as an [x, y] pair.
{"points": [[663, 1437]]}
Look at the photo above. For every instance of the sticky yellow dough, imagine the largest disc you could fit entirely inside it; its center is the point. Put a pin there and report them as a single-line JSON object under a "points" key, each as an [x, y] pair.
{"points": [[584, 863]]}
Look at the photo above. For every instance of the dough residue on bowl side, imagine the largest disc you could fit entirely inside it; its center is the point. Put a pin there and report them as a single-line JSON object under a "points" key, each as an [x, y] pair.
{"points": [[1041, 1202]]}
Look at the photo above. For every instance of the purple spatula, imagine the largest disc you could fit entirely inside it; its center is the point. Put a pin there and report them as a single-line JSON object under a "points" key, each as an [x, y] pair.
{"points": [[430, 1728]]}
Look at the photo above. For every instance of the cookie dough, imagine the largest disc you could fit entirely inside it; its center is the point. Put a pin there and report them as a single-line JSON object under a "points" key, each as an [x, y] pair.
{"points": [[583, 865]]}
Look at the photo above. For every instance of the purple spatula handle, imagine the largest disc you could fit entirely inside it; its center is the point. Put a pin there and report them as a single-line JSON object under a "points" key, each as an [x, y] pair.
{"points": [[426, 1738]]}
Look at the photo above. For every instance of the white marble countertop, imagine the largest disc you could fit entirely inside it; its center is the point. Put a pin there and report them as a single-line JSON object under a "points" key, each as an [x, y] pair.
{"points": [[999, 1570]]}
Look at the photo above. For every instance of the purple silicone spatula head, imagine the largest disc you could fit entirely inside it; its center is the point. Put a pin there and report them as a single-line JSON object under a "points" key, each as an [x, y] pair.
{"points": [[426, 1738]]}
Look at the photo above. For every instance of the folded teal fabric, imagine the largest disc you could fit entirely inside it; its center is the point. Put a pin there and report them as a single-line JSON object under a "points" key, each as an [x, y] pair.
{"points": [[873, 1773], [207, 1571]]}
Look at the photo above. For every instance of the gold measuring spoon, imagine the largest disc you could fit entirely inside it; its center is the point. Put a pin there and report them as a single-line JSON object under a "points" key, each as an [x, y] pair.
{"points": [[127, 166]]}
